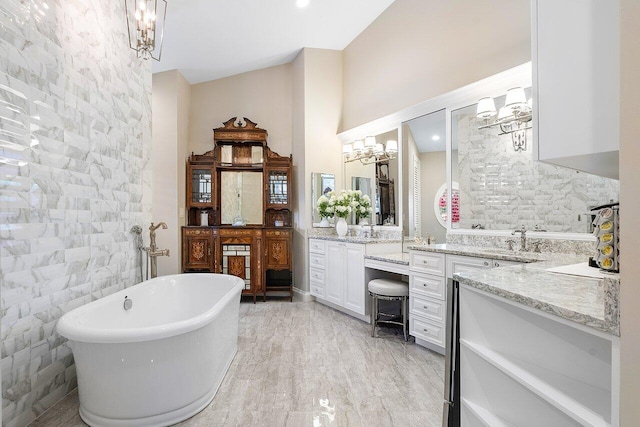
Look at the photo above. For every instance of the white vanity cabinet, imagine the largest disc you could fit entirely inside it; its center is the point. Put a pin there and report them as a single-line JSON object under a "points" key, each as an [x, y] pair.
{"points": [[576, 78], [337, 273], [522, 367], [428, 274]]}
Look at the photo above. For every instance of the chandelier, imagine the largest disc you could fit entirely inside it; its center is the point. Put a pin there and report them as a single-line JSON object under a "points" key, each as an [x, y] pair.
{"points": [[144, 28], [514, 118], [370, 151]]}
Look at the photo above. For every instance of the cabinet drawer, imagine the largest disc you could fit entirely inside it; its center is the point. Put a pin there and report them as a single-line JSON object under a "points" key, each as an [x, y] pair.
{"points": [[424, 329], [503, 263], [200, 232], [460, 264], [425, 262], [316, 275], [427, 307], [316, 261], [425, 285], [317, 289], [316, 246]]}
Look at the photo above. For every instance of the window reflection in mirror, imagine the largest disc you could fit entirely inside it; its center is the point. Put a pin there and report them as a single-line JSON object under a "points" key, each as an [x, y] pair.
{"points": [[321, 183], [503, 189], [241, 197], [425, 165], [379, 180]]}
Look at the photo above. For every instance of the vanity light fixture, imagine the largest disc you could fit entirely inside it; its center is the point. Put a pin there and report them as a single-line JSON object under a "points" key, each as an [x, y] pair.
{"points": [[146, 33], [514, 118], [370, 151]]}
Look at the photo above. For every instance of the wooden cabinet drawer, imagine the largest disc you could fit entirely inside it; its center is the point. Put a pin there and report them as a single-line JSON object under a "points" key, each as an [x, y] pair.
{"points": [[316, 246], [316, 261], [427, 330], [427, 307], [317, 289], [200, 232], [426, 285], [316, 275], [425, 262]]}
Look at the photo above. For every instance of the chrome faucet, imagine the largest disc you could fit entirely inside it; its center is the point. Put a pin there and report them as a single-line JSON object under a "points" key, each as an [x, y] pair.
{"points": [[523, 238], [153, 251]]}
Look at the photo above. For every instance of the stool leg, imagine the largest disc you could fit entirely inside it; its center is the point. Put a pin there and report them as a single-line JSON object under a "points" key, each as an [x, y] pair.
{"points": [[404, 318], [373, 315]]}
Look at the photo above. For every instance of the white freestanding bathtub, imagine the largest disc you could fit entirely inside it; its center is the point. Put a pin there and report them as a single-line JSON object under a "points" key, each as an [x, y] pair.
{"points": [[162, 360]]}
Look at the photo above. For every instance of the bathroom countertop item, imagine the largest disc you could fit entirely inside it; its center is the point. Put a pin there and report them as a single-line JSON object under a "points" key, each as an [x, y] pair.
{"points": [[395, 258], [348, 239]]}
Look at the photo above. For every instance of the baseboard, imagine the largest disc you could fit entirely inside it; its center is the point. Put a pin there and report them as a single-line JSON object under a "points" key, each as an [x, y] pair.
{"points": [[300, 295]]}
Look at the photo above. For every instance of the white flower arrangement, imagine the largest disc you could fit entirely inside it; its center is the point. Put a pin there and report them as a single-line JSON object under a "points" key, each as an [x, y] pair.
{"points": [[343, 203]]}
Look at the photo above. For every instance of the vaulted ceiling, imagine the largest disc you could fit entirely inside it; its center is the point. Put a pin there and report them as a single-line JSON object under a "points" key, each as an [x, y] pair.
{"points": [[212, 39]]}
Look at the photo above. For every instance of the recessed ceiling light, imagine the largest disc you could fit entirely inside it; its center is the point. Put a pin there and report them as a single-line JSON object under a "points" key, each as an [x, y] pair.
{"points": [[436, 137], [302, 3]]}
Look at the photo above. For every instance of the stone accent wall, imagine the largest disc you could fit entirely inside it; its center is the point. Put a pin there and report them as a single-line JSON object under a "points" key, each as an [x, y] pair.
{"points": [[75, 132]]}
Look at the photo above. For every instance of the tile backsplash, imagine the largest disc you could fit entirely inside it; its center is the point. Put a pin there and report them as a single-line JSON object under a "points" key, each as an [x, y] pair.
{"points": [[75, 177], [504, 189]]}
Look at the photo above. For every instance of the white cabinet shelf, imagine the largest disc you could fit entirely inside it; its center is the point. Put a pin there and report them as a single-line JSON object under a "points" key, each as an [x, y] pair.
{"points": [[482, 416], [549, 372], [545, 390]]}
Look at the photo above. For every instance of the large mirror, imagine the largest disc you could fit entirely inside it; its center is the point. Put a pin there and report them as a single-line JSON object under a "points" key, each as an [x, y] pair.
{"points": [[321, 184], [376, 176], [501, 187], [425, 166], [241, 195]]}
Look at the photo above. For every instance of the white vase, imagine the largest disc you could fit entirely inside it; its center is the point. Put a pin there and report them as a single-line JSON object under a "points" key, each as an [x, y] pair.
{"points": [[341, 227], [325, 222]]}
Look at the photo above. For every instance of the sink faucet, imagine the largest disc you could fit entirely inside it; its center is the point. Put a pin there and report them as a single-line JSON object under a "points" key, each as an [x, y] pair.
{"points": [[523, 238], [153, 251]]}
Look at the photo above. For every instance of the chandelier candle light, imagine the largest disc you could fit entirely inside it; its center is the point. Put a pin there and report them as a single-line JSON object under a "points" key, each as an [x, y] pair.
{"points": [[369, 151], [514, 118], [143, 26]]}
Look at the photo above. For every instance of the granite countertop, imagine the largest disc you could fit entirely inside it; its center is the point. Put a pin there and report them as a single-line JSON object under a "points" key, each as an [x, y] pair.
{"points": [[593, 302], [401, 258], [351, 239]]}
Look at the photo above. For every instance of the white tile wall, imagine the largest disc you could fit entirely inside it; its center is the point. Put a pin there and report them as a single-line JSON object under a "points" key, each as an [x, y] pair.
{"points": [[504, 189], [75, 128]]}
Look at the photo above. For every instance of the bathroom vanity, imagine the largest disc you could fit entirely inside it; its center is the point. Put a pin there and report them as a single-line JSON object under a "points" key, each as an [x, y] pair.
{"points": [[537, 347], [429, 268], [239, 211], [337, 271]]}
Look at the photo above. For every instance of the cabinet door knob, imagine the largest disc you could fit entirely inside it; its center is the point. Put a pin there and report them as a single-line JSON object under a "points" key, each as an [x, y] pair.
{"points": [[486, 263], [426, 307], [426, 330], [496, 264]]}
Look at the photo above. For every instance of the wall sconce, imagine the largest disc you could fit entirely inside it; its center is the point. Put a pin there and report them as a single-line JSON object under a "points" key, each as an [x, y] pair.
{"points": [[514, 118], [143, 28], [368, 151]]}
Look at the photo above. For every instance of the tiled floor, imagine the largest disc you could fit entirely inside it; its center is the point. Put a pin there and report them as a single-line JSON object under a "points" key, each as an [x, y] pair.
{"points": [[303, 364]]}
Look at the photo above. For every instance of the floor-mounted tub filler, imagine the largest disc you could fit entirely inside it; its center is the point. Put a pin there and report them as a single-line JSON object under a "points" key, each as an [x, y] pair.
{"points": [[156, 353]]}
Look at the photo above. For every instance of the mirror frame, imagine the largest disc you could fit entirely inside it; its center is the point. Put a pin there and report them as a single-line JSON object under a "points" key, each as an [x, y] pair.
{"points": [[494, 86]]}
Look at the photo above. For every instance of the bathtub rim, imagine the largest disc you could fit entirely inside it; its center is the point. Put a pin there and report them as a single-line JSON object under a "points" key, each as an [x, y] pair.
{"points": [[68, 327]]}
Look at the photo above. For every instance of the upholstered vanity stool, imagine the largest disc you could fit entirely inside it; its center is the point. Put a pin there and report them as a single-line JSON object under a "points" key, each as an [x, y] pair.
{"points": [[389, 290]]}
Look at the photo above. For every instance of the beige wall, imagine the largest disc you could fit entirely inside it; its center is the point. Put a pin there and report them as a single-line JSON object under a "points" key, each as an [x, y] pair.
{"points": [[317, 101], [263, 96], [630, 202], [170, 110], [433, 173], [418, 49]]}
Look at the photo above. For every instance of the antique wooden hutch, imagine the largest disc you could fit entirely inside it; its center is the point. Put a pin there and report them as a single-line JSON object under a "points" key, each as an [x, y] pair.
{"points": [[239, 210]]}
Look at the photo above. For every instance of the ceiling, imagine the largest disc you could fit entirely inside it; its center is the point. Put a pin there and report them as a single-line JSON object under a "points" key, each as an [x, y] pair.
{"points": [[210, 39], [425, 128]]}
